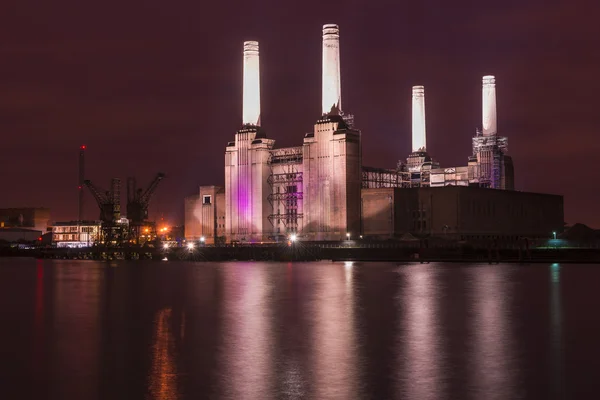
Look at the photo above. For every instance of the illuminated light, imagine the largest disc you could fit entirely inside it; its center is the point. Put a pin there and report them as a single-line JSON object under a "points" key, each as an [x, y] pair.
{"points": [[332, 89], [146, 230], [361, 236], [83, 147], [348, 264], [79, 187], [293, 238], [418, 119], [166, 246], [190, 246], [202, 239], [488, 103], [554, 233], [251, 89], [348, 235]]}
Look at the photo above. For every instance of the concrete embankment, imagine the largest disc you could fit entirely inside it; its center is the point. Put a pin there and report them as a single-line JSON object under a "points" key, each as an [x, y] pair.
{"points": [[305, 252]]}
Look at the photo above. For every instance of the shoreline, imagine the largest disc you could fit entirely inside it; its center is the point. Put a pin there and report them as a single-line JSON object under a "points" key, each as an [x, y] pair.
{"points": [[285, 253]]}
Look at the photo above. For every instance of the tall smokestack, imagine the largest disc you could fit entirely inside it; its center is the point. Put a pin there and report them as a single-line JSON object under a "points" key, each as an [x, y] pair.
{"points": [[332, 88], [251, 91], [489, 106], [418, 119]]}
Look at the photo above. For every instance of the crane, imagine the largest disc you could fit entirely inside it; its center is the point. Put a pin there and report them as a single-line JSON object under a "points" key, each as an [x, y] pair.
{"points": [[109, 202], [138, 201]]}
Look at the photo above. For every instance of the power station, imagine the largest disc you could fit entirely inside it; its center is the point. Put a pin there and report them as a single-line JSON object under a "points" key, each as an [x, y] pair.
{"points": [[321, 191]]}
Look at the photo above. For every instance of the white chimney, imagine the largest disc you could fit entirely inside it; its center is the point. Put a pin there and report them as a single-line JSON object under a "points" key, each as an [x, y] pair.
{"points": [[418, 119], [488, 121], [251, 90], [332, 90]]}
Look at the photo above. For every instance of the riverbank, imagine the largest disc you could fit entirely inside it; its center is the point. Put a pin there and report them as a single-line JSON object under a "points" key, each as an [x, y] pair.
{"points": [[303, 252]]}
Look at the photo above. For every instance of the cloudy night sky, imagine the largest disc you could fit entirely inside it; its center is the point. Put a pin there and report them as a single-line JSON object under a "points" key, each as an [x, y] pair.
{"points": [[155, 86]]}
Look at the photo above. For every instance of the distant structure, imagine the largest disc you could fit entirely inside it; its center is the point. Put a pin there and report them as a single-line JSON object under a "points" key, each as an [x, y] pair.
{"points": [[81, 182], [36, 218], [320, 191]]}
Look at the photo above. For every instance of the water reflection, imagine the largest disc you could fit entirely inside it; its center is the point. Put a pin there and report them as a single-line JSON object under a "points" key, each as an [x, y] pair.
{"points": [[556, 323], [163, 375], [300, 330], [334, 346], [492, 349], [76, 329], [39, 328], [246, 361], [420, 351]]}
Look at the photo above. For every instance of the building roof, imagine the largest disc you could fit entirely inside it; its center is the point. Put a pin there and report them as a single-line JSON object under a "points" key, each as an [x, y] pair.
{"points": [[19, 230]]}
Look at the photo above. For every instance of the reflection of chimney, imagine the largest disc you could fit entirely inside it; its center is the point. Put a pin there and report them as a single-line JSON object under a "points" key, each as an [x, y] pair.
{"points": [[489, 106], [418, 119], [332, 90], [251, 89]]}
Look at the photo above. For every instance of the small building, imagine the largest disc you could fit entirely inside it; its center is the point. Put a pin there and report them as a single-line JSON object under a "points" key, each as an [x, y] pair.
{"points": [[36, 218], [205, 215], [76, 233], [460, 212], [14, 235]]}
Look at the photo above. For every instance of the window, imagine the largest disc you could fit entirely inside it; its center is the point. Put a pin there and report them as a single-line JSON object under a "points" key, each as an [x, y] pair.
{"points": [[206, 199]]}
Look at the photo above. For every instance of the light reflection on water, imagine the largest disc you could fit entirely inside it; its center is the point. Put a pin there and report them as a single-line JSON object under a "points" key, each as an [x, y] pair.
{"points": [[246, 365], [334, 348], [296, 330], [163, 375], [492, 367], [419, 348]]}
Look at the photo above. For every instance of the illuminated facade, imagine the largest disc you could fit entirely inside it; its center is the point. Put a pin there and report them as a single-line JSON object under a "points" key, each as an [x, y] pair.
{"points": [[76, 233], [320, 190], [205, 215], [313, 189]]}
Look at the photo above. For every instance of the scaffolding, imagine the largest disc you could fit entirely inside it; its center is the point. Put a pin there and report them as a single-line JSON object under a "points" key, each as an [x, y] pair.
{"points": [[286, 188], [489, 151], [375, 178]]}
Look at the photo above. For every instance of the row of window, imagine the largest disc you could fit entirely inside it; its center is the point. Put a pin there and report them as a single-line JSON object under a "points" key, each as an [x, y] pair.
{"points": [[72, 237], [74, 229]]}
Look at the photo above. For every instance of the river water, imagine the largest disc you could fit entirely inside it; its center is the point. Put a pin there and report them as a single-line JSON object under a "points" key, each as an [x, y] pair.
{"points": [[319, 330]]}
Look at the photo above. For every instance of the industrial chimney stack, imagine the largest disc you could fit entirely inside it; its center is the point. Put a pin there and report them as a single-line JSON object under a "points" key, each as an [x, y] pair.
{"points": [[251, 90], [418, 119], [332, 89], [489, 124]]}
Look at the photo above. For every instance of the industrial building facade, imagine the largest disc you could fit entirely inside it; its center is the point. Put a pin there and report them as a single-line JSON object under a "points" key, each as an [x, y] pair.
{"points": [[321, 191], [459, 212]]}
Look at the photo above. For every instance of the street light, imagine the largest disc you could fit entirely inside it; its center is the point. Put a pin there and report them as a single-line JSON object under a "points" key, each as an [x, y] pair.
{"points": [[166, 246], [293, 238], [202, 239], [190, 246], [348, 235], [554, 233]]}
